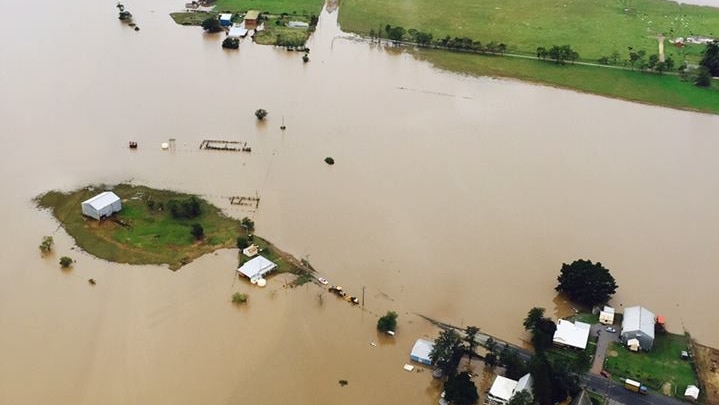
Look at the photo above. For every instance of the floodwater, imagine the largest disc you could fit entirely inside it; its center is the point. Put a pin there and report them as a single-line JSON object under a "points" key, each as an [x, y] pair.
{"points": [[453, 197]]}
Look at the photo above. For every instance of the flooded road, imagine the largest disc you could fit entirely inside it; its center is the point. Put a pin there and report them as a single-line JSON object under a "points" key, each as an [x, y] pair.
{"points": [[453, 197]]}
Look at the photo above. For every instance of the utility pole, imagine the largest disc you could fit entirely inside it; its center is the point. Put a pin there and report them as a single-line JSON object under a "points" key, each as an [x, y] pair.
{"points": [[362, 296]]}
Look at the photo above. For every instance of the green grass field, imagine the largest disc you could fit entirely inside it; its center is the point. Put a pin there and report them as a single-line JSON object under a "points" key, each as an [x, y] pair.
{"points": [[299, 7], [191, 18], [666, 90], [593, 28], [662, 364], [142, 235], [274, 33]]}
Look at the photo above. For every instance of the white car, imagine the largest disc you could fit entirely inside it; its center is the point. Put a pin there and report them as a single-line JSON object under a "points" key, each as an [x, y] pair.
{"points": [[323, 281], [611, 330]]}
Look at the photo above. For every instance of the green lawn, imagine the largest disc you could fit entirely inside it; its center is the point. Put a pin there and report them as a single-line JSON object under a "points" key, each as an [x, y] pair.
{"points": [[662, 364], [191, 18], [666, 90], [142, 235], [299, 7], [593, 28], [275, 33]]}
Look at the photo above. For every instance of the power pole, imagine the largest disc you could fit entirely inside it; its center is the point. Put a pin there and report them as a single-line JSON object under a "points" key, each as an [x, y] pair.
{"points": [[362, 296]]}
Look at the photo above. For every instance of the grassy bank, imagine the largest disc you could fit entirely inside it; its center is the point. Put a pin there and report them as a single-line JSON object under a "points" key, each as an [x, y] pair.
{"points": [[664, 90], [592, 28], [144, 231], [298, 7], [656, 368], [277, 32], [191, 18]]}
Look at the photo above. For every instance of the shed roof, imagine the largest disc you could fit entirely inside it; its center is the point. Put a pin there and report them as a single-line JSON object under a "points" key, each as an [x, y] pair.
{"points": [[422, 348], [252, 15], [572, 334], [256, 266], [692, 391], [503, 388], [638, 319], [226, 17], [102, 200]]}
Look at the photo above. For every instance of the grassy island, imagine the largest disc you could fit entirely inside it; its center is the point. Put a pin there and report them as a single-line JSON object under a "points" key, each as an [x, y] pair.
{"points": [[145, 231]]}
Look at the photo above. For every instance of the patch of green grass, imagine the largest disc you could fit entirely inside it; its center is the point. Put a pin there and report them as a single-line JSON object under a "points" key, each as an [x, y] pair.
{"points": [[662, 364], [191, 18], [596, 399], [277, 34], [296, 7], [142, 235], [592, 28], [587, 317], [665, 90]]}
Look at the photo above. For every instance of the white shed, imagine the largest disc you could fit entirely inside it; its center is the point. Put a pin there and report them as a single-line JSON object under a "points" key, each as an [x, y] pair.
{"points": [[692, 392], [606, 316], [256, 268], [102, 205], [421, 350]]}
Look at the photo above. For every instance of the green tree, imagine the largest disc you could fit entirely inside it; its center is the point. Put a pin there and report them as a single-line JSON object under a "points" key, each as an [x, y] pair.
{"points": [[710, 60], [533, 317], [543, 335], [231, 43], [211, 24], [66, 262], [445, 346], [396, 33], [490, 360], [515, 367], [261, 114], [46, 244], [248, 224], [460, 389], [614, 57], [239, 298], [242, 242], [388, 322], [542, 52], [653, 60], [586, 283], [470, 338], [541, 373], [197, 231], [521, 398], [703, 77]]}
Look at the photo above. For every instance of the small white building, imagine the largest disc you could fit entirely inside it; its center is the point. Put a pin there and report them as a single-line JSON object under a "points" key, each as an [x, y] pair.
{"points": [[421, 350], [571, 334], [226, 19], [102, 205], [606, 316], [692, 392], [503, 389], [255, 269]]}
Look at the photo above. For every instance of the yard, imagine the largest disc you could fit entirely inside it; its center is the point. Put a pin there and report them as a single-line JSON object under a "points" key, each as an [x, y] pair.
{"points": [[191, 18], [594, 29], [297, 7], [661, 369], [145, 232]]}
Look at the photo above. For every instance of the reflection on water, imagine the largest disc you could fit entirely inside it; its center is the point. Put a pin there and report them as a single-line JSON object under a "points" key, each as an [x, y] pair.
{"points": [[451, 196]]}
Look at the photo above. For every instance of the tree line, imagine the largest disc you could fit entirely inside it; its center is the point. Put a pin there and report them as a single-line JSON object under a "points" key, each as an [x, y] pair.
{"points": [[426, 39]]}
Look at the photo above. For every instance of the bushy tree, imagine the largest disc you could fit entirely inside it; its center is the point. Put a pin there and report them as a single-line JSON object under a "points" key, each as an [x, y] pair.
{"points": [[542, 328], [710, 60], [197, 231], [212, 24], [388, 322], [242, 242], [248, 224], [66, 262], [188, 208], [46, 244], [460, 389], [231, 43], [445, 346], [521, 398], [514, 365], [261, 114], [586, 283], [703, 77]]}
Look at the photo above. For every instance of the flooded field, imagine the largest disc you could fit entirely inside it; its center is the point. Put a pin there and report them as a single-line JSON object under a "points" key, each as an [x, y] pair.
{"points": [[452, 197]]}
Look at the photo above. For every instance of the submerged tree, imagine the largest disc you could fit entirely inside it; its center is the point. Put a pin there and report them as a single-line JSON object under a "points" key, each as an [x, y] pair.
{"points": [[460, 389], [66, 262], [46, 244], [261, 114], [445, 346], [388, 322], [586, 283], [212, 24]]}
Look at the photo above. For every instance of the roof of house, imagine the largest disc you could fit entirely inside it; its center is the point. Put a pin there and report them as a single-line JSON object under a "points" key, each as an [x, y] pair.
{"points": [[227, 16], [503, 388], [422, 348], [237, 31], [638, 319], [256, 266], [102, 200], [526, 383], [252, 15], [572, 334]]}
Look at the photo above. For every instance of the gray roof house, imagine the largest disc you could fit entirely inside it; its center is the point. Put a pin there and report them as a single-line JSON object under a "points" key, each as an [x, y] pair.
{"points": [[638, 323], [102, 205]]}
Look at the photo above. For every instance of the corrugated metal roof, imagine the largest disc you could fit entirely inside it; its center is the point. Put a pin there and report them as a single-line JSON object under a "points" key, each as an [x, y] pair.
{"points": [[252, 15], [572, 334], [638, 319], [422, 348], [102, 200], [256, 266]]}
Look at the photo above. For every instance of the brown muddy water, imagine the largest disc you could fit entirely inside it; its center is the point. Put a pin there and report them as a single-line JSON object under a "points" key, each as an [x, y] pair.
{"points": [[452, 196]]}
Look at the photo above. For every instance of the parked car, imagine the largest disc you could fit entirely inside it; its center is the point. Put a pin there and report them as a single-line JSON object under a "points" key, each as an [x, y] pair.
{"points": [[611, 330], [323, 281], [606, 374]]}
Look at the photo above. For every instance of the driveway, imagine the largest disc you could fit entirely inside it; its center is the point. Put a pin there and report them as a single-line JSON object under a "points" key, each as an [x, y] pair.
{"points": [[605, 338]]}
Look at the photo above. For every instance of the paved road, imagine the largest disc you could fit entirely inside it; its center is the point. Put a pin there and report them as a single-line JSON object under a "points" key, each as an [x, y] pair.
{"points": [[605, 338], [618, 393]]}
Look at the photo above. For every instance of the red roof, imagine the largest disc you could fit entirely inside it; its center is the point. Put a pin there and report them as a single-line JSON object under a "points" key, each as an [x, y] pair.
{"points": [[661, 319]]}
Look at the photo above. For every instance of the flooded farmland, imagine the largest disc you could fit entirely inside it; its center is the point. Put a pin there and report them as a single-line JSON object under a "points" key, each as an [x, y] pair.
{"points": [[453, 197]]}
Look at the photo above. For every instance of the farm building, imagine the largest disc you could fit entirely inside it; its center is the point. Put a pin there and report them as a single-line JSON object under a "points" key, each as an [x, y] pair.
{"points": [[226, 19], [503, 389], [606, 316], [102, 205], [255, 269], [420, 352], [638, 323], [573, 335], [251, 19]]}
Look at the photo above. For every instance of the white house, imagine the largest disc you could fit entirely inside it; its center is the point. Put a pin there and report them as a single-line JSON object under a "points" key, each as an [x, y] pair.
{"points": [[102, 205], [606, 316], [638, 323], [503, 389], [421, 350], [571, 334], [256, 268]]}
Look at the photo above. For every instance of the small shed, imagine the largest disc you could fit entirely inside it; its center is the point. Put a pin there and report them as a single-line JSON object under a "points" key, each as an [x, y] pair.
{"points": [[606, 316], [420, 352], [237, 31], [692, 392], [251, 19], [102, 205], [633, 345], [226, 19], [256, 268]]}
